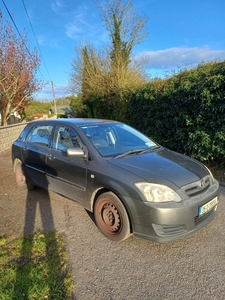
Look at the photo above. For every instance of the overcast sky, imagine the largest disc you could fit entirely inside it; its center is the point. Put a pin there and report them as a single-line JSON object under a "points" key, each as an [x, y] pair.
{"points": [[180, 33]]}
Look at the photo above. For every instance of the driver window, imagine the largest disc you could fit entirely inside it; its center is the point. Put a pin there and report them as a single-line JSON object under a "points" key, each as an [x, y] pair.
{"points": [[64, 138]]}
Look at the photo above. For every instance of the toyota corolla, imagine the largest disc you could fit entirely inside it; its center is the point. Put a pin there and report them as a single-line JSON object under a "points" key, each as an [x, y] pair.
{"points": [[130, 183]]}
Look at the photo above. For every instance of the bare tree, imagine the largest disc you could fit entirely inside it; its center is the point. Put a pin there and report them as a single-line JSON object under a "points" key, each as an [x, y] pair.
{"points": [[125, 28], [90, 69], [18, 67]]}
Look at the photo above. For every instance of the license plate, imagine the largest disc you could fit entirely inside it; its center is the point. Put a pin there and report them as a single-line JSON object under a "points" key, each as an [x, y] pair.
{"points": [[207, 207]]}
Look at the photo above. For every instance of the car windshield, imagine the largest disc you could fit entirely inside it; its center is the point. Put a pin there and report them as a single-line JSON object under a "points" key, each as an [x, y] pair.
{"points": [[116, 140]]}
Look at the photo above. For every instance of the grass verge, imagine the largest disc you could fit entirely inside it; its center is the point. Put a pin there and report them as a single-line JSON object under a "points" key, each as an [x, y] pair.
{"points": [[35, 267]]}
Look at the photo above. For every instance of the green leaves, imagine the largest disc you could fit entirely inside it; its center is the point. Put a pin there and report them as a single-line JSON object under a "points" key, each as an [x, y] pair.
{"points": [[185, 112]]}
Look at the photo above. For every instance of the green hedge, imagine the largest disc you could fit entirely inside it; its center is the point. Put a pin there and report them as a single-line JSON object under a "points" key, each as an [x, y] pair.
{"points": [[186, 112], [112, 107]]}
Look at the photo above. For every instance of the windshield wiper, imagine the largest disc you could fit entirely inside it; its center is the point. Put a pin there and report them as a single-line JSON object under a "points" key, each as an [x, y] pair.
{"points": [[136, 151], [150, 149]]}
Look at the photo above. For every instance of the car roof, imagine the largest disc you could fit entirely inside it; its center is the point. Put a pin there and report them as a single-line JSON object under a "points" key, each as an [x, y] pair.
{"points": [[76, 121]]}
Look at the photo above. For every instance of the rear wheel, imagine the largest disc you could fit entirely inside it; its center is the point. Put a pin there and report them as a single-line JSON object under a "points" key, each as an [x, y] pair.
{"points": [[111, 217], [22, 180]]}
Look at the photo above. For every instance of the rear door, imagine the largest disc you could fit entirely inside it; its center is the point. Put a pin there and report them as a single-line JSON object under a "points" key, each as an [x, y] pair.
{"points": [[34, 151]]}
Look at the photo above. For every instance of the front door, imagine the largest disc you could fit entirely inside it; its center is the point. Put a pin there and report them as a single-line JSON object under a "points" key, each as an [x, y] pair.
{"points": [[66, 175]]}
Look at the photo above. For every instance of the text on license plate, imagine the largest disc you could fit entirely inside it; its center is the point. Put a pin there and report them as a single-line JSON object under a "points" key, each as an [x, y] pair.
{"points": [[207, 207]]}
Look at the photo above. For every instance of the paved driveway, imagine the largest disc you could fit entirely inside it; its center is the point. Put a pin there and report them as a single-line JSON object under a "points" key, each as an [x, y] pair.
{"points": [[192, 268]]}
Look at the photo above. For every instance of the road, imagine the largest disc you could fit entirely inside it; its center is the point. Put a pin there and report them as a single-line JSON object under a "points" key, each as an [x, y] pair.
{"points": [[191, 268]]}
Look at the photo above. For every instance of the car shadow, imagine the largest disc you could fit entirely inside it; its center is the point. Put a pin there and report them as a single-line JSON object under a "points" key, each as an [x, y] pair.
{"points": [[91, 216], [37, 201]]}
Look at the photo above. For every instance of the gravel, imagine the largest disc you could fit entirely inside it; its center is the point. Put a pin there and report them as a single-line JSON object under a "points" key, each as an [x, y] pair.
{"points": [[191, 268]]}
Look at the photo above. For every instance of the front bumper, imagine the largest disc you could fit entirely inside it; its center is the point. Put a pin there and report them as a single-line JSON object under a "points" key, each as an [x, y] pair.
{"points": [[164, 222]]}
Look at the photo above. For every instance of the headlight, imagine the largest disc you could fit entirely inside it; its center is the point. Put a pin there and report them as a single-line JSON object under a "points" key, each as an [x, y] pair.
{"points": [[157, 193]]}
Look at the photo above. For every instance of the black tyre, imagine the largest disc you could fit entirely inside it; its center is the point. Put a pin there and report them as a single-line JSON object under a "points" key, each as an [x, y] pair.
{"points": [[22, 180], [111, 217]]}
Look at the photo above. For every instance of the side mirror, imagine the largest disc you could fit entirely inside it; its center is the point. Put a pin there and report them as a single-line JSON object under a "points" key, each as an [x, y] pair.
{"points": [[76, 152]]}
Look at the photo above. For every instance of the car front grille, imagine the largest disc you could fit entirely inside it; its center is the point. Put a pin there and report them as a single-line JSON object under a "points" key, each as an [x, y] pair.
{"points": [[197, 187]]}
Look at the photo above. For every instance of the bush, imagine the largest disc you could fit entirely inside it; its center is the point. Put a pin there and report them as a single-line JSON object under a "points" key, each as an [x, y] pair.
{"points": [[185, 112]]}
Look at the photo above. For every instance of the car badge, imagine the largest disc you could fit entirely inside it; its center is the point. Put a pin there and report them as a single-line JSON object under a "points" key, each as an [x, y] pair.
{"points": [[202, 184]]}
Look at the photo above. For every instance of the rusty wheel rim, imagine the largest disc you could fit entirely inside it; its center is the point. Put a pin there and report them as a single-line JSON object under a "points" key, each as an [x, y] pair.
{"points": [[108, 217], [20, 178]]}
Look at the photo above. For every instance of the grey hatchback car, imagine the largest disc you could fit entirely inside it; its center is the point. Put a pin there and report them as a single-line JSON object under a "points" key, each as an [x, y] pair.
{"points": [[130, 183]]}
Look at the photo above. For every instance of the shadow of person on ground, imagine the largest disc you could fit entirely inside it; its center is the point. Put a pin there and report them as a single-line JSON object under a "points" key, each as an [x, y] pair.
{"points": [[38, 203]]}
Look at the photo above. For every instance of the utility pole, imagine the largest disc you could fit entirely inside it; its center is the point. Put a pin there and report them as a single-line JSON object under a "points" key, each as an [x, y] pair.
{"points": [[53, 93]]}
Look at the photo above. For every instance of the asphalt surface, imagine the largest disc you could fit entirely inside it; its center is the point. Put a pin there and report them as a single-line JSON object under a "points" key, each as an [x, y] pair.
{"points": [[191, 268]]}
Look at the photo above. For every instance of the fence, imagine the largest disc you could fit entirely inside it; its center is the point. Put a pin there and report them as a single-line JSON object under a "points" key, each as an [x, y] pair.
{"points": [[8, 134]]}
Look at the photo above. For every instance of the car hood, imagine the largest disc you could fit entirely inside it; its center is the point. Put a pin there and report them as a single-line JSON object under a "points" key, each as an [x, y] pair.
{"points": [[163, 166]]}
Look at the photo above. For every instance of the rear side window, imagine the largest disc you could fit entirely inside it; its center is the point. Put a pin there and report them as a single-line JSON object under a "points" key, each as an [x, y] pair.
{"points": [[40, 134]]}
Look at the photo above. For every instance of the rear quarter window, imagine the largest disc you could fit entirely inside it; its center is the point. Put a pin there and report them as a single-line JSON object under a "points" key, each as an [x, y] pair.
{"points": [[23, 133]]}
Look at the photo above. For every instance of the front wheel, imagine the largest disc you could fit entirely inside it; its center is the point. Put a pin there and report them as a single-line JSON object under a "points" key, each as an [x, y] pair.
{"points": [[22, 179], [111, 217]]}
